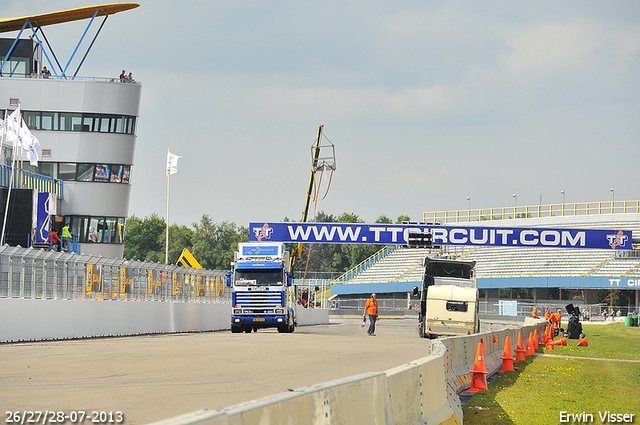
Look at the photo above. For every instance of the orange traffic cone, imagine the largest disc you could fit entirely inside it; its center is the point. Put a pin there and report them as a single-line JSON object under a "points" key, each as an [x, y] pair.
{"points": [[520, 349], [583, 342], [479, 377], [507, 357], [549, 334], [529, 351], [552, 344], [535, 338], [543, 337]]}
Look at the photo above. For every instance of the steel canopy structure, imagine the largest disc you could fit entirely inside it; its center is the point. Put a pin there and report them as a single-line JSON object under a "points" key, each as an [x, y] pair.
{"points": [[36, 22]]}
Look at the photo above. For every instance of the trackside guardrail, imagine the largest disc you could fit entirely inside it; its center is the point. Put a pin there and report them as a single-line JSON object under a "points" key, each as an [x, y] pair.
{"points": [[49, 295], [42, 274], [422, 391]]}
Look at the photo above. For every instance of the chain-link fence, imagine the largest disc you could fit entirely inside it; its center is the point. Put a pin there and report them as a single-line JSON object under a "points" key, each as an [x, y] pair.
{"points": [[36, 273]]}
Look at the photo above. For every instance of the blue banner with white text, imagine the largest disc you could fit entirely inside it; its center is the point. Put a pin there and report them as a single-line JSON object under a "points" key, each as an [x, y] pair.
{"points": [[396, 234]]}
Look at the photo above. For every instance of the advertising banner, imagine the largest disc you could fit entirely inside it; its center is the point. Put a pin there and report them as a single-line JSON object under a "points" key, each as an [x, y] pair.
{"points": [[156, 279], [396, 234], [45, 207], [94, 280], [126, 281]]}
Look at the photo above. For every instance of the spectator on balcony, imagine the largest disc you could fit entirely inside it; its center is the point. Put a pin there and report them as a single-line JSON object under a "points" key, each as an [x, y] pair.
{"points": [[45, 73], [66, 237]]}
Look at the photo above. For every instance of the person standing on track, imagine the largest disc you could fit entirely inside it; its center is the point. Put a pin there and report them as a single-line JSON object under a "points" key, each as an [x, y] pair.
{"points": [[371, 308]]}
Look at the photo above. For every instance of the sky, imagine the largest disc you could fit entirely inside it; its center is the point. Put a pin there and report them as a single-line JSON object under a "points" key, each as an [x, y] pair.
{"points": [[431, 106]]}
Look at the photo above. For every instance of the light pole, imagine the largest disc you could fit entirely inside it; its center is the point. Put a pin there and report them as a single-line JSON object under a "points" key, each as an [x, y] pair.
{"points": [[562, 191], [469, 201], [613, 198], [515, 200]]}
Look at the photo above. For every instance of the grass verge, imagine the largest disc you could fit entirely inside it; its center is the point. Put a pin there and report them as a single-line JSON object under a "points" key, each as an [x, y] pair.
{"points": [[543, 387]]}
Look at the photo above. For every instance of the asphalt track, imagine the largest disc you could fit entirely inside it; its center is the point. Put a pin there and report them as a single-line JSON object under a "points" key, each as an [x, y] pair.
{"points": [[155, 377]]}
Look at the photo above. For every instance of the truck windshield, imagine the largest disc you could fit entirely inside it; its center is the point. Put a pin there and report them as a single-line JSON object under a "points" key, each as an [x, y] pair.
{"points": [[259, 277]]}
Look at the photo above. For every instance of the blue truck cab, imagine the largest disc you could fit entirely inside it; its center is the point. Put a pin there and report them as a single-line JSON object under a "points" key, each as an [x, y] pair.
{"points": [[262, 296]]}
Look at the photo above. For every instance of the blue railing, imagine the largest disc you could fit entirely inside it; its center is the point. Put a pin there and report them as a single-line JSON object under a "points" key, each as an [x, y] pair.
{"points": [[365, 264], [23, 179]]}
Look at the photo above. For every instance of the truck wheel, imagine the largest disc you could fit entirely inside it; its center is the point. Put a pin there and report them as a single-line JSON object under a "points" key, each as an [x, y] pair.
{"points": [[247, 330], [421, 330], [236, 329], [283, 329], [292, 327]]}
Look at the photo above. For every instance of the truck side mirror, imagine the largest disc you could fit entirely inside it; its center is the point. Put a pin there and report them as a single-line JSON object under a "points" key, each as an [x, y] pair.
{"points": [[228, 279], [415, 291], [289, 278]]}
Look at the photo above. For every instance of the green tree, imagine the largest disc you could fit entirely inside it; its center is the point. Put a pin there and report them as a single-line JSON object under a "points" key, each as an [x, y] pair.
{"points": [[214, 244], [144, 238], [384, 219], [180, 237], [402, 218]]}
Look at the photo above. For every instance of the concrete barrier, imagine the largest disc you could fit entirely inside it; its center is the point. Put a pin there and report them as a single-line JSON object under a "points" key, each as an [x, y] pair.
{"points": [[312, 316], [423, 391], [359, 399], [42, 319]]}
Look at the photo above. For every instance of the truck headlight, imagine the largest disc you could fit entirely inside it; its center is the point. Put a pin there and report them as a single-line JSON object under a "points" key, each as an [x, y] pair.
{"points": [[280, 320], [279, 311], [237, 311]]}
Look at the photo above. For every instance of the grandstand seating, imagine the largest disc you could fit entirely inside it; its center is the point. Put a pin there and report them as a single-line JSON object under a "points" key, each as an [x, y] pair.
{"points": [[406, 264]]}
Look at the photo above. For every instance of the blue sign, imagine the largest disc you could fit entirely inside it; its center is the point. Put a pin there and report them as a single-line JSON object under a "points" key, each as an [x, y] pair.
{"points": [[583, 282], [44, 210], [257, 251], [396, 234]]}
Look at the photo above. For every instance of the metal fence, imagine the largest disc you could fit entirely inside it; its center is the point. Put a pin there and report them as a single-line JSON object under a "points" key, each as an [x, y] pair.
{"points": [[36, 273], [593, 311]]}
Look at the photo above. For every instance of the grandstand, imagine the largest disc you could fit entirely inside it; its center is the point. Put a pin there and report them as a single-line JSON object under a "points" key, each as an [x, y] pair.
{"points": [[399, 269]]}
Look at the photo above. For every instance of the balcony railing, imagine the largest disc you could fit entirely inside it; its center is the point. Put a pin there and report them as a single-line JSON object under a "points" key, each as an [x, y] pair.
{"points": [[23, 179], [533, 211]]}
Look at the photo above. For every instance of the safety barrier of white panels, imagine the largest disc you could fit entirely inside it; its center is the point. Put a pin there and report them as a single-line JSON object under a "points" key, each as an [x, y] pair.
{"points": [[40, 274], [47, 295], [422, 391]]}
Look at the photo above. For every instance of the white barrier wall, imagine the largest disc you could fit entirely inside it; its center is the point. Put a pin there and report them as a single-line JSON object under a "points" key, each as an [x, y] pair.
{"points": [[423, 391], [42, 319], [312, 316]]}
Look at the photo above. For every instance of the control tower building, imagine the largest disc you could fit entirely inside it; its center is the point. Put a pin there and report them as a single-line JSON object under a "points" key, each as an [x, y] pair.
{"points": [[86, 125]]}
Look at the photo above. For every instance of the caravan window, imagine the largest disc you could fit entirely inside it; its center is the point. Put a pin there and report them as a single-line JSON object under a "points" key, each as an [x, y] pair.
{"points": [[457, 306]]}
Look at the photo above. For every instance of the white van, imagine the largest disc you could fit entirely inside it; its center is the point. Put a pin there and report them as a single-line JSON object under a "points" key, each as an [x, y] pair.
{"points": [[449, 302]]}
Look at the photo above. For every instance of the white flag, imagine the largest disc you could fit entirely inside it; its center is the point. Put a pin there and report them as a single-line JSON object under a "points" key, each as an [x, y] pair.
{"points": [[29, 143], [13, 125], [172, 163], [3, 125]]}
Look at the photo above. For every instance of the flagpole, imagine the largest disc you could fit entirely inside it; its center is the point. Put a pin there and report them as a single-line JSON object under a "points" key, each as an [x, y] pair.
{"points": [[166, 242], [11, 175]]}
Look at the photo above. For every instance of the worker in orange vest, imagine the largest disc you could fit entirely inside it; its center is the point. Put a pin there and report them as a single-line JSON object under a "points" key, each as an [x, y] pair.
{"points": [[535, 313], [371, 308]]}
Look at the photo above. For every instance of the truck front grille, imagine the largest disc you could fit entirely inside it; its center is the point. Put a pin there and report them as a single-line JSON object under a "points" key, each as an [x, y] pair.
{"points": [[259, 302]]}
